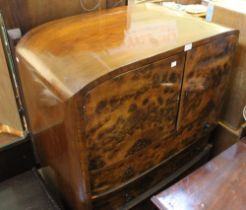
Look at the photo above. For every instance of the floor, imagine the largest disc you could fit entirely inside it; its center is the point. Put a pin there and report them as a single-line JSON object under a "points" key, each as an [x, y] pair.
{"points": [[26, 192]]}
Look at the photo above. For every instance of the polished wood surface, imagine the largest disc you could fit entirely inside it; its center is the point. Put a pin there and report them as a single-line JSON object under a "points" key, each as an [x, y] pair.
{"points": [[9, 114], [131, 195], [232, 13], [107, 40], [184, 2], [26, 14], [219, 184], [206, 81], [137, 111], [103, 98]]}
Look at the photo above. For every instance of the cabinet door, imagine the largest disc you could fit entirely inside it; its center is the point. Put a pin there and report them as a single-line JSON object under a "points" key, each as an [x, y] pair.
{"points": [[131, 112], [207, 71]]}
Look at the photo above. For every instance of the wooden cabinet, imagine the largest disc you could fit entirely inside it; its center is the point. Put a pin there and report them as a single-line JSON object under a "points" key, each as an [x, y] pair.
{"points": [[207, 73], [232, 14], [116, 101], [130, 113]]}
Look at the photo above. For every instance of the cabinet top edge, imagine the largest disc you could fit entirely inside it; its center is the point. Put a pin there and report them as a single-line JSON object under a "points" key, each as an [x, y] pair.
{"points": [[72, 52]]}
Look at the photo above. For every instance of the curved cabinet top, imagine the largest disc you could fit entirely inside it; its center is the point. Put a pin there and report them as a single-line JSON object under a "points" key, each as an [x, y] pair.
{"points": [[70, 53]]}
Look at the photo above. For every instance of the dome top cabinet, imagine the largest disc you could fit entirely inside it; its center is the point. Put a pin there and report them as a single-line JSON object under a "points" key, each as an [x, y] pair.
{"points": [[121, 99]]}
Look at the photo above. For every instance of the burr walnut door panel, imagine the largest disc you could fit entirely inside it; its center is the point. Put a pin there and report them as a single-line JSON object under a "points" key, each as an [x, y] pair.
{"points": [[129, 113], [207, 71]]}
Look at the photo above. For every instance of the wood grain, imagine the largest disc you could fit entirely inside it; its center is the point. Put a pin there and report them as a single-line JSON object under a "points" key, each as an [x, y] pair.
{"points": [[130, 113], [127, 169], [128, 195], [223, 176], [115, 41], [119, 112], [206, 81], [102, 103]]}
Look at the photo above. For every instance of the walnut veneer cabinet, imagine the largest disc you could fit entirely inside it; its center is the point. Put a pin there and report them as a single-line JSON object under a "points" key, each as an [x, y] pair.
{"points": [[232, 14], [119, 99]]}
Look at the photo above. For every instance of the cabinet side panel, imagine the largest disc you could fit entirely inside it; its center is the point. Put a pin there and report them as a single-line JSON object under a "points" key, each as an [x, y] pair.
{"points": [[54, 128]]}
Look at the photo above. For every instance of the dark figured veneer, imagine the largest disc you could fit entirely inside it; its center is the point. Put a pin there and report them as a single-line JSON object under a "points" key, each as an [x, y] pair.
{"points": [[116, 105]]}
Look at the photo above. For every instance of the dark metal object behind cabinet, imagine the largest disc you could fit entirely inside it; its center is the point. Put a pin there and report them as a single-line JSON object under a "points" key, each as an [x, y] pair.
{"points": [[18, 156]]}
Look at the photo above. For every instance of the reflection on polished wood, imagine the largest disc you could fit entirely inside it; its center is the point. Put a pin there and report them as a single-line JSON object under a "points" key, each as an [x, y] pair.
{"points": [[220, 185], [200, 96], [184, 2], [103, 98], [108, 41]]}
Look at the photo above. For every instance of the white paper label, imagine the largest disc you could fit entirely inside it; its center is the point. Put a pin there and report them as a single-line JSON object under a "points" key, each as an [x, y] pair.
{"points": [[173, 64], [15, 33], [188, 47]]}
